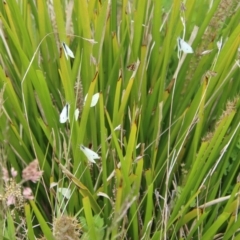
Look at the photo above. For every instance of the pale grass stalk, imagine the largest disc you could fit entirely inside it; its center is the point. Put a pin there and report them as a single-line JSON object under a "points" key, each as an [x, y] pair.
{"points": [[193, 35], [69, 9], [165, 206], [168, 172], [165, 131], [218, 200], [187, 132], [17, 154], [147, 21], [149, 225], [172, 163], [73, 118], [200, 228], [5, 44], [99, 175], [107, 93], [181, 60], [148, 14], [102, 194], [90, 40], [129, 51], [165, 19], [125, 209], [152, 46], [65, 150], [184, 24]]}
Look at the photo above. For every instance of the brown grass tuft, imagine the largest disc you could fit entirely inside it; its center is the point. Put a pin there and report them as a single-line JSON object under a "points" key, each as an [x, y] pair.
{"points": [[65, 228]]}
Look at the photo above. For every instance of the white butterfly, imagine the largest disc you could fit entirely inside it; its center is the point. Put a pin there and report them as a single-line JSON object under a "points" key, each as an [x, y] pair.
{"points": [[66, 192], [76, 113], [67, 50], [184, 46], [94, 100], [91, 155], [219, 44], [64, 115]]}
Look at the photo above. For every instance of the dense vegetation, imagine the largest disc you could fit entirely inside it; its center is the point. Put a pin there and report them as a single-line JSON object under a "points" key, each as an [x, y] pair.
{"points": [[154, 152]]}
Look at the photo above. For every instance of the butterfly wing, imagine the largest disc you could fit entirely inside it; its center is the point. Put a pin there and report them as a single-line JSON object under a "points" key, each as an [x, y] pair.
{"points": [[64, 115], [91, 155], [76, 114], [94, 100], [67, 51], [184, 46]]}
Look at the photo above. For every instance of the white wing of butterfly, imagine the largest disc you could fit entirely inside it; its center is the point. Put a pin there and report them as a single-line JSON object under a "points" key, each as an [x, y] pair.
{"points": [[66, 192], [184, 46], [91, 155], [67, 50], [93, 103], [219, 44], [94, 100], [76, 114], [64, 115]]}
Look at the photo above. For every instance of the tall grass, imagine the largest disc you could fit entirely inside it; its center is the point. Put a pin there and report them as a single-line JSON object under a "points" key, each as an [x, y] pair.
{"points": [[166, 125]]}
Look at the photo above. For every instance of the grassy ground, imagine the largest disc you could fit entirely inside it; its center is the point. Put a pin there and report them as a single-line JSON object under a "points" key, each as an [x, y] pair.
{"points": [[154, 152]]}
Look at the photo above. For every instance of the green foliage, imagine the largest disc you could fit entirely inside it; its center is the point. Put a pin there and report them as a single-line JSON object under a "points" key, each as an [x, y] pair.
{"points": [[98, 225], [166, 126]]}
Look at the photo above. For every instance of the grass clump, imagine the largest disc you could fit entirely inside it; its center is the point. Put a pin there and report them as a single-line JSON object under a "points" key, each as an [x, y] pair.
{"points": [[131, 109]]}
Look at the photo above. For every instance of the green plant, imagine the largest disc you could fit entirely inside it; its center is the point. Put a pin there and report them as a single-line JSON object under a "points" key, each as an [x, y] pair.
{"points": [[166, 124]]}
